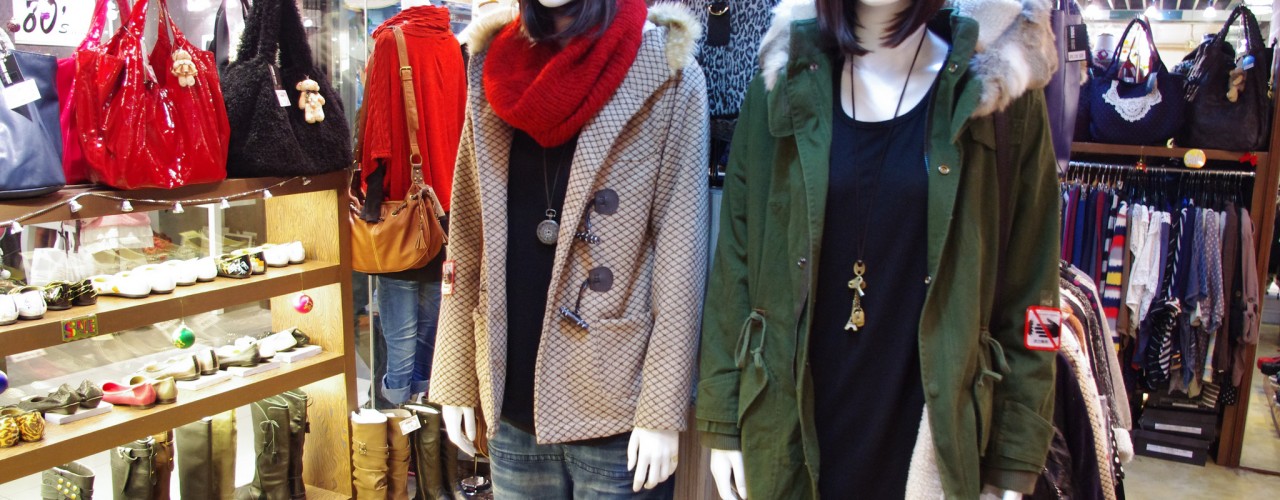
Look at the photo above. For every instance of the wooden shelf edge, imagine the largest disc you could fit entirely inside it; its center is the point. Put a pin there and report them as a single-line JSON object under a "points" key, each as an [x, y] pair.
{"points": [[1160, 152], [117, 314], [92, 206], [71, 442]]}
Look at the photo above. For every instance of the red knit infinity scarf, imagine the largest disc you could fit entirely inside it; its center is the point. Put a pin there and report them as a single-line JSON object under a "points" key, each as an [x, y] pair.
{"points": [[550, 92]]}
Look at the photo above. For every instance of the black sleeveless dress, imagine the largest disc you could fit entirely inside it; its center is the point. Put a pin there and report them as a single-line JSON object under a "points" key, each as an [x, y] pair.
{"points": [[868, 395]]}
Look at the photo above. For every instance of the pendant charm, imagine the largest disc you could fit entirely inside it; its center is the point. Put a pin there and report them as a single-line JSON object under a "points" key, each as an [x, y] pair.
{"points": [[183, 68], [549, 230], [857, 317]]}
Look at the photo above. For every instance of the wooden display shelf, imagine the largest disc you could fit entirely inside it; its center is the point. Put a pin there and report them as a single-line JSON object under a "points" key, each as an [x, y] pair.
{"points": [[117, 314], [65, 443], [1160, 152], [93, 206]]}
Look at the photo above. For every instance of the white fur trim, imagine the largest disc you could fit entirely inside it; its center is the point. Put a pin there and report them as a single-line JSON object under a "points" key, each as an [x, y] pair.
{"points": [[924, 479], [989, 13], [1124, 444], [480, 32], [775, 49], [683, 32]]}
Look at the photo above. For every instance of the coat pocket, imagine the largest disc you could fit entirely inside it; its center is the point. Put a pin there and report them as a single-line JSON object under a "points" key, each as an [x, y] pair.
{"points": [[618, 349], [755, 373]]}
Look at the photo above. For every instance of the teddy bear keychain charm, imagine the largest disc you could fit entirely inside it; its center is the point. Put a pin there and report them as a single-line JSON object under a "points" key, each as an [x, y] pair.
{"points": [[184, 68], [310, 100]]}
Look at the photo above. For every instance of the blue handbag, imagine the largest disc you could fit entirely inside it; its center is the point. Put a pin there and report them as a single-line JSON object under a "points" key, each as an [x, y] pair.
{"points": [[30, 135], [1134, 110]]}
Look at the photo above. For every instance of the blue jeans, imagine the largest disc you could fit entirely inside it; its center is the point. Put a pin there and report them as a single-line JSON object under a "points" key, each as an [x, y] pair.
{"points": [[408, 311], [592, 469]]}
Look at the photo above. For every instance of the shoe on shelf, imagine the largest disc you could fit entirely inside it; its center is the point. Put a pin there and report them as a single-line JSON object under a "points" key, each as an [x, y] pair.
{"points": [[90, 394], [207, 362], [235, 266], [82, 293], [183, 367], [30, 301], [19, 424], [160, 277], [63, 401], [184, 272], [8, 310], [275, 255], [206, 268], [257, 261], [57, 296], [297, 253], [237, 356], [124, 284], [166, 388], [139, 395], [1271, 368], [282, 341]]}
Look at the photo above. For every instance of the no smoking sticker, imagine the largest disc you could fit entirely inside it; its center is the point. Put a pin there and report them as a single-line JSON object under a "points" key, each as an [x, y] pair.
{"points": [[1044, 325]]}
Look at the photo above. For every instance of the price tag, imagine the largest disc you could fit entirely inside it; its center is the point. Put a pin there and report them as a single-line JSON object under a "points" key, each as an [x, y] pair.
{"points": [[1077, 43], [21, 94], [409, 425], [447, 277], [283, 97], [80, 328], [61, 23]]}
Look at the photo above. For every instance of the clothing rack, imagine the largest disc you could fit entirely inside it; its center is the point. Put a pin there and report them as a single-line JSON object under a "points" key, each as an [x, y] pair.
{"points": [[1166, 170]]}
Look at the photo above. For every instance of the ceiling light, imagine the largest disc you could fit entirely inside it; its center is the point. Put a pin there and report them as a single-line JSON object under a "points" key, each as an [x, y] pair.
{"points": [[1152, 13], [1094, 11]]}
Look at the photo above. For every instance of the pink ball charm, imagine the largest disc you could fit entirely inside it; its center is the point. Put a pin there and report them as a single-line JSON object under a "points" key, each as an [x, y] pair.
{"points": [[303, 303]]}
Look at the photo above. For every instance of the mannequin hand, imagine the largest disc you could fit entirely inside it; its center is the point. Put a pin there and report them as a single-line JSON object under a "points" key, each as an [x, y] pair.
{"points": [[727, 469], [456, 419], [993, 493], [653, 454]]}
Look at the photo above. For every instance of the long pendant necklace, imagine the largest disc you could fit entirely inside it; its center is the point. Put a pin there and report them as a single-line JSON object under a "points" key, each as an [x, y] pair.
{"points": [[858, 285], [549, 229]]}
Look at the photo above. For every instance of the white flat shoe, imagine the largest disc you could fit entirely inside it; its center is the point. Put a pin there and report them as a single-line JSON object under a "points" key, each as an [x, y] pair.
{"points": [[8, 310], [281, 341], [161, 279], [275, 255], [124, 284], [183, 272], [30, 302], [206, 268], [297, 253]]}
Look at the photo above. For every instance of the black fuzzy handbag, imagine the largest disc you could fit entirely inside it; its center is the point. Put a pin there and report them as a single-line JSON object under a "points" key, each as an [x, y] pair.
{"points": [[271, 136], [1214, 119]]}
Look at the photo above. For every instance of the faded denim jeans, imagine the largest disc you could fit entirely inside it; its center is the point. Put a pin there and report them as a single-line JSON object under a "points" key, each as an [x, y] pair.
{"points": [[592, 469], [408, 312]]}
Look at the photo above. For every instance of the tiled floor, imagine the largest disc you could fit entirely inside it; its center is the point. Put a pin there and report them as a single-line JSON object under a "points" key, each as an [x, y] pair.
{"points": [[1150, 478], [1261, 438]]}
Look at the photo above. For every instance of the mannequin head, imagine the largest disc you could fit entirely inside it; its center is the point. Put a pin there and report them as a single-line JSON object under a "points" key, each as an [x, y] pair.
{"points": [[839, 23], [561, 20]]}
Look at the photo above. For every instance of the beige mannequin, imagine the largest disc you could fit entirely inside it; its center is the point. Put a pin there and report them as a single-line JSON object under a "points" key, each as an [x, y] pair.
{"points": [[651, 453], [877, 80]]}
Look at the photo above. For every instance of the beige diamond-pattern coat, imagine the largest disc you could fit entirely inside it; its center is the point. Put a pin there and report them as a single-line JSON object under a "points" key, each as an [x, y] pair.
{"points": [[634, 365]]}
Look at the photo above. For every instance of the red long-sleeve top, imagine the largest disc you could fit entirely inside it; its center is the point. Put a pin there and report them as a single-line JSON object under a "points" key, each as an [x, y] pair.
{"points": [[440, 86]]}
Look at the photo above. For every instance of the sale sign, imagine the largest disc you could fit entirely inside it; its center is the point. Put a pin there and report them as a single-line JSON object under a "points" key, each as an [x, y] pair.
{"points": [[54, 22]]}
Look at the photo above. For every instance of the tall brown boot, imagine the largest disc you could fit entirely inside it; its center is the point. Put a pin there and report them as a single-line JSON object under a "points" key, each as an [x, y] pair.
{"points": [[427, 455], [369, 452], [297, 401], [223, 448], [194, 443], [132, 471], [398, 459], [271, 445], [163, 464]]}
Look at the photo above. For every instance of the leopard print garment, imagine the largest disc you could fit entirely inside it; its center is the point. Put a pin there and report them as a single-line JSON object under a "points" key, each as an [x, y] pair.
{"points": [[31, 426], [730, 68]]}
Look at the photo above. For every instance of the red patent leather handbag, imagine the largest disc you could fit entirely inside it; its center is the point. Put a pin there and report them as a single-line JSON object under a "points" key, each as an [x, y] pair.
{"points": [[156, 121], [74, 165]]}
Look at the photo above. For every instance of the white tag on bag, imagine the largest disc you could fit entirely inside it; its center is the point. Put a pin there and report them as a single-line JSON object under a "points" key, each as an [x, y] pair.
{"points": [[21, 94], [283, 97]]}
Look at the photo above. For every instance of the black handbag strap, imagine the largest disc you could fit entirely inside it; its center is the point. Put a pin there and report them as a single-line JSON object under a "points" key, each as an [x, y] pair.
{"points": [[274, 30], [1249, 23], [221, 43], [1157, 64]]}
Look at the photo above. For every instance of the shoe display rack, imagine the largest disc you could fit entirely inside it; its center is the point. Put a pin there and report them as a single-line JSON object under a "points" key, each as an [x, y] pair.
{"points": [[311, 210]]}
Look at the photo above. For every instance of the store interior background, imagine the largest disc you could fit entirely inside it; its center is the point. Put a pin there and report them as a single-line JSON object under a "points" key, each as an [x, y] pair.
{"points": [[339, 32]]}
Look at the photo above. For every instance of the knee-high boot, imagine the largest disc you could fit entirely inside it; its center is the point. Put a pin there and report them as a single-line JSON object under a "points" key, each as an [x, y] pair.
{"points": [[133, 471], [398, 457], [427, 455], [194, 442], [369, 453]]}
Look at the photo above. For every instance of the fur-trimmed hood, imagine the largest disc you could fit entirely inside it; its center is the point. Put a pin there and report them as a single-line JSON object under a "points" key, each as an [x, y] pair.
{"points": [[683, 31], [1015, 51]]}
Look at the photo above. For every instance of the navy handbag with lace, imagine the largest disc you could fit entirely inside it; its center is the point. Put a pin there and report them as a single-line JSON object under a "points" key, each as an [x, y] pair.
{"points": [[1125, 108]]}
